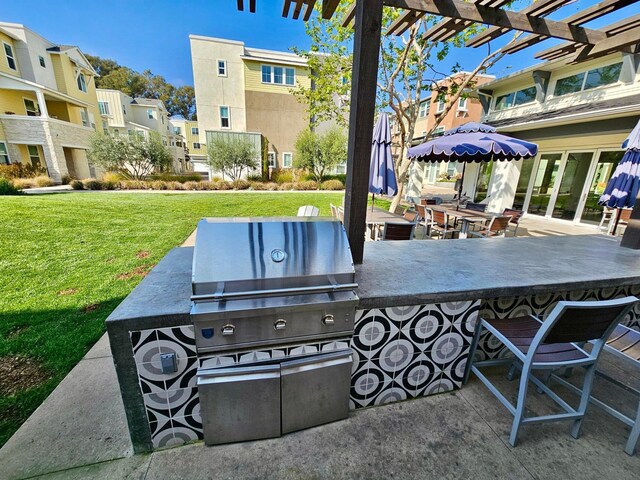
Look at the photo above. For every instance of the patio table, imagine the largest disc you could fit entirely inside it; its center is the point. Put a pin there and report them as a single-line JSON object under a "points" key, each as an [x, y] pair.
{"points": [[378, 217], [466, 217]]}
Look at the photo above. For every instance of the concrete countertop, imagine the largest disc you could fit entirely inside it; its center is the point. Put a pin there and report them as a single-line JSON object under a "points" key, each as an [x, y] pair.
{"points": [[418, 272]]}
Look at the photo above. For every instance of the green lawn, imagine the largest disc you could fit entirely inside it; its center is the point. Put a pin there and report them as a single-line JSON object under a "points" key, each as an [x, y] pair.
{"points": [[61, 257]]}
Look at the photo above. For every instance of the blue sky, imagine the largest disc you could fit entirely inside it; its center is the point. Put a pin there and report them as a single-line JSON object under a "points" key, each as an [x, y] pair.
{"points": [[154, 34]]}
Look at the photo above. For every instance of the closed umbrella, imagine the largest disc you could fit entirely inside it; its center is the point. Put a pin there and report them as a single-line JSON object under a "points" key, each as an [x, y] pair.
{"points": [[472, 142], [623, 186], [382, 177]]}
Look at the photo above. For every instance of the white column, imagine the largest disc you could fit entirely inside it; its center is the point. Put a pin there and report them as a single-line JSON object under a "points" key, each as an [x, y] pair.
{"points": [[42, 104]]}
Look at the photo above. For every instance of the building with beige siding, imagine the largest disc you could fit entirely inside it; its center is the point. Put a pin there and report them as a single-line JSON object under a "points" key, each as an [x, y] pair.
{"points": [[187, 133], [124, 115], [48, 103], [248, 90], [579, 115]]}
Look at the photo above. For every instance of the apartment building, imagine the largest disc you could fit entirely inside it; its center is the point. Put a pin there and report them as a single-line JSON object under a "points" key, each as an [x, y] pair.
{"points": [[124, 115], [48, 103], [187, 132], [579, 114], [430, 110], [244, 90]]}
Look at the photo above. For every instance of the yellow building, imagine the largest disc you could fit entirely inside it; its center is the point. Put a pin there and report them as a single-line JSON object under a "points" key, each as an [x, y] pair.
{"points": [[48, 104], [187, 135]]}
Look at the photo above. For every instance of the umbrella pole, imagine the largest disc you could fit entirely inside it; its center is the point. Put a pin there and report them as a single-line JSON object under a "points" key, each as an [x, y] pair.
{"points": [[615, 225], [464, 165], [373, 200]]}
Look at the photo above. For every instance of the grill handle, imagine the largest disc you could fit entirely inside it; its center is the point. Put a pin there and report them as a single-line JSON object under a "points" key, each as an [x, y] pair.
{"points": [[275, 292]]}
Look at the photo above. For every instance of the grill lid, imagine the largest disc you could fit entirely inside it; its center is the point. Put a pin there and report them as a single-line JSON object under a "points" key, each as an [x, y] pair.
{"points": [[235, 256]]}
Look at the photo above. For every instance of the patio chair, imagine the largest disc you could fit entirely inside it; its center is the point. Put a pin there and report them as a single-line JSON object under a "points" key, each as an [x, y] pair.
{"points": [[516, 216], [308, 211], [410, 215], [398, 231], [476, 207], [623, 221], [497, 228], [440, 223], [548, 346], [424, 219], [334, 210], [341, 214], [428, 201]]}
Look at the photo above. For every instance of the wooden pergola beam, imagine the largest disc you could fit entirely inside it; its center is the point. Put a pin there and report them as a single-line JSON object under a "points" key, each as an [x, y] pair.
{"points": [[348, 17], [501, 18], [617, 42], [309, 10], [449, 27], [329, 8]]}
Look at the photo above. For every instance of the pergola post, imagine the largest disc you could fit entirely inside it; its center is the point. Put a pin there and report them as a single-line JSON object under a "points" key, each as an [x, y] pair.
{"points": [[631, 237], [366, 51]]}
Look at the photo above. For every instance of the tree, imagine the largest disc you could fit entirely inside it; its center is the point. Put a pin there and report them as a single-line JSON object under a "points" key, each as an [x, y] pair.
{"points": [[134, 157], [319, 152], [409, 70], [232, 156], [177, 100]]}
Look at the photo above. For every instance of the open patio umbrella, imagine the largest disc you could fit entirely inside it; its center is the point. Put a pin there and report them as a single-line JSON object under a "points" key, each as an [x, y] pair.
{"points": [[622, 189], [382, 176], [472, 142]]}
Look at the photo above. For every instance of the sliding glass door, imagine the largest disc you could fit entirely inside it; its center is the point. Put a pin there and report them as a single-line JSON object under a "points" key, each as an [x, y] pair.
{"points": [[544, 182], [575, 170], [604, 168]]}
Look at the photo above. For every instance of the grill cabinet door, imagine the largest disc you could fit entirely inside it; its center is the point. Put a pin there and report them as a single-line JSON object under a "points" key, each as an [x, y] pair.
{"points": [[239, 403], [315, 390]]}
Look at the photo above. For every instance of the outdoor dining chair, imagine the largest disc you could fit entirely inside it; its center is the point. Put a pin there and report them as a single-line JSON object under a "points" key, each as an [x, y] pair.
{"points": [[547, 346], [476, 207], [410, 215], [497, 228], [398, 231], [440, 223], [428, 201], [424, 219], [516, 216], [308, 211], [334, 210]]}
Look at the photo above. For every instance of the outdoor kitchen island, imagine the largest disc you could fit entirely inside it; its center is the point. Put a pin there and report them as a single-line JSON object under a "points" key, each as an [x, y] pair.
{"points": [[418, 303]]}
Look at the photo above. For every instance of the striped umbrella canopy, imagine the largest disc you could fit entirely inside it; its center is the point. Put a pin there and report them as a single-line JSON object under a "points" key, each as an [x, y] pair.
{"points": [[382, 177], [623, 186]]}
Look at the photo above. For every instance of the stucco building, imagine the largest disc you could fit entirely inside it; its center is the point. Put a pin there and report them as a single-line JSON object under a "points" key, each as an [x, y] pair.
{"points": [[248, 91], [187, 133], [48, 103]]}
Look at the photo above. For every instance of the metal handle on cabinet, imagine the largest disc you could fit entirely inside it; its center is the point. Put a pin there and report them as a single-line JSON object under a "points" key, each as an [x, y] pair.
{"points": [[328, 319], [228, 330], [280, 324]]}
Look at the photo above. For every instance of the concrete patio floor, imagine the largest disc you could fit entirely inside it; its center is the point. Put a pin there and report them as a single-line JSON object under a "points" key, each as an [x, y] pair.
{"points": [[80, 433]]}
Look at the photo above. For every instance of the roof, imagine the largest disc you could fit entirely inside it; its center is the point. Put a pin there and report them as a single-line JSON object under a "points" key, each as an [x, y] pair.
{"points": [[147, 102], [586, 110]]}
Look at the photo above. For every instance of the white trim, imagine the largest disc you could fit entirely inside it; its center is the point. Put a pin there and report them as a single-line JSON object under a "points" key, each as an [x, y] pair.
{"points": [[6, 148], [13, 56], [35, 103], [275, 159], [224, 67], [272, 75], [464, 107], [441, 103], [40, 57], [215, 39], [47, 90], [228, 117], [285, 154]]}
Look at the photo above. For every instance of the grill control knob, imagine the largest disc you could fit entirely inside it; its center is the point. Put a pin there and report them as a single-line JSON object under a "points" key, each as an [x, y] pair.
{"points": [[228, 330], [328, 319], [280, 324]]}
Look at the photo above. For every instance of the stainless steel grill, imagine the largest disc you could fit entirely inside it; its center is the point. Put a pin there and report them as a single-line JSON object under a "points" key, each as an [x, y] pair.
{"points": [[267, 282]]}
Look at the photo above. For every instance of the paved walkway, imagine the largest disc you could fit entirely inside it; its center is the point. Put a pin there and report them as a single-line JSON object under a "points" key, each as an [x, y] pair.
{"points": [[80, 433]]}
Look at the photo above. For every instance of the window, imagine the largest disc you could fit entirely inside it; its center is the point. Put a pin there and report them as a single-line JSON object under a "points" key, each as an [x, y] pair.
{"points": [[597, 77], [162, 120], [341, 168], [423, 111], [31, 107], [82, 84], [266, 74], [462, 104], [105, 127], [287, 160], [271, 159], [116, 133], [278, 75], [438, 132], [150, 113], [224, 117], [177, 131], [34, 155], [41, 60], [441, 106], [124, 109], [514, 99], [104, 108], [194, 131], [84, 116], [222, 68], [4, 154], [11, 59], [196, 146]]}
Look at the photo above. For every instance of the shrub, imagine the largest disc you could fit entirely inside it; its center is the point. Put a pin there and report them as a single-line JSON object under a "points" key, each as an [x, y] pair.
{"points": [[66, 179], [224, 185], [281, 176], [8, 188], [93, 184], [21, 170], [285, 186], [173, 177], [190, 185], [175, 185], [340, 176], [23, 183], [241, 184], [43, 181], [258, 186], [216, 179], [308, 185], [272, 186], [254, 177], [159, 185], [332, 185], [76, 185]]}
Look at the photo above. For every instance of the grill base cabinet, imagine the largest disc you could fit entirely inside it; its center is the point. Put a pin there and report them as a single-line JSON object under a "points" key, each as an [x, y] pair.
{"points": [[264, 401]]}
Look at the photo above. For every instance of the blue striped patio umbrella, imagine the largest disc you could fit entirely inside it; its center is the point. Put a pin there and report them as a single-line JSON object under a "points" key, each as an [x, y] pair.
{"points": [[622, 188], [382, 177]]}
